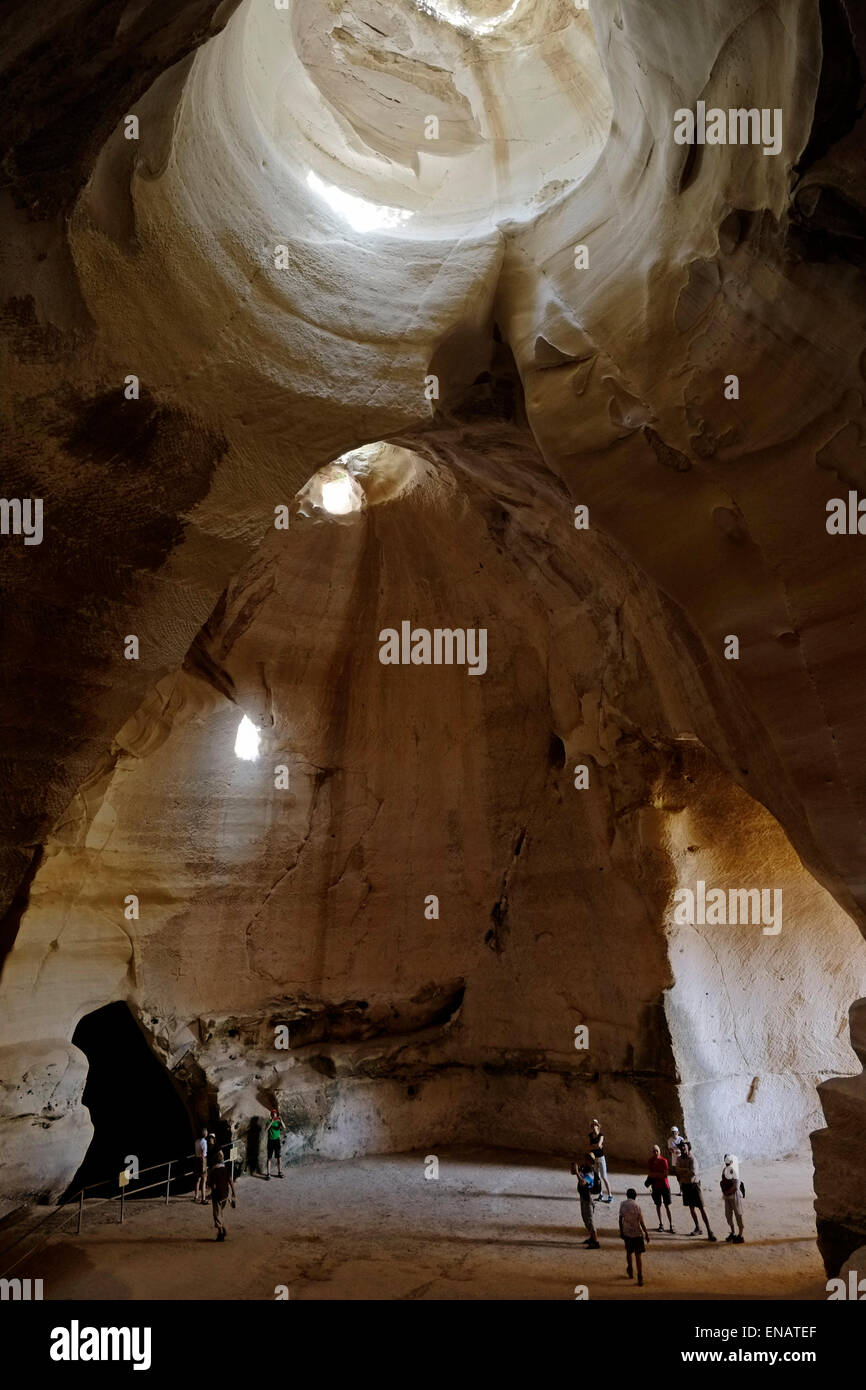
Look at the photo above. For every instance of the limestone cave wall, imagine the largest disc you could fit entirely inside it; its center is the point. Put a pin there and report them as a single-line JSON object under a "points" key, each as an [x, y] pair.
{"points": [[267, 336]]}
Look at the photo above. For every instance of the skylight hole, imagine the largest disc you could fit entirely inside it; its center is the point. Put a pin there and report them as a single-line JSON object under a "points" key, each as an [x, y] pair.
{"points": [[360, 215], [340, 495], [247, 741]]}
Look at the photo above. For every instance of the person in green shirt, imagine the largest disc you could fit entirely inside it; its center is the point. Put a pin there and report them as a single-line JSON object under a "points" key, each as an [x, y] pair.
{"points": [[275, 1129]]}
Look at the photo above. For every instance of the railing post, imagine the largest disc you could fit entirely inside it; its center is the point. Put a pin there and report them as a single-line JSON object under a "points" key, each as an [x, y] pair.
{"points": [[122, 1197], [80, 1210], [168, 1180]]}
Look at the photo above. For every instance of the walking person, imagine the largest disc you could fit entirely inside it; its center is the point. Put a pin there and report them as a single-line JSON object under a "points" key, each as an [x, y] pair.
{"points": [[660, 1188], [733, 1193], [686, 1169], [199, 1167], [222, 1190], [596, 1147], [634, 1233], [275, 1129], [585, 1174]]}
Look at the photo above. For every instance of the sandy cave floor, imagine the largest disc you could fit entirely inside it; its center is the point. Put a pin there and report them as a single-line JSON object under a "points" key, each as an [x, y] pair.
{"points": [[494, 1226]]}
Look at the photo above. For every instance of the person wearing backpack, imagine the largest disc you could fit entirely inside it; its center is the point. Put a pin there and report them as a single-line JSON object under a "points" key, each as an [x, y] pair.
{"points": [[733, 1193], [222, 1191], [585, 1174]]}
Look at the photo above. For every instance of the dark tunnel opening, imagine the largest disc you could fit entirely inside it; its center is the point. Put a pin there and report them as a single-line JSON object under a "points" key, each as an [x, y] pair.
{"points": [[134, 1108]]}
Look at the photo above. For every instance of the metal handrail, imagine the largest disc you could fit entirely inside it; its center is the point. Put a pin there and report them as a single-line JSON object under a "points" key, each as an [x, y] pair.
{"points": [[66, 1201], [100, 1201], [161, 1164]]}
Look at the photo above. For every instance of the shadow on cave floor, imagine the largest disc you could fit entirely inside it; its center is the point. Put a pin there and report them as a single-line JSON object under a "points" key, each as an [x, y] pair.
{"points": [[375, 1228]]}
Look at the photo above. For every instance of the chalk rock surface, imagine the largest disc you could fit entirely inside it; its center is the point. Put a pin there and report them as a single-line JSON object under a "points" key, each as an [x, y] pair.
{"points": [[472, 233]]}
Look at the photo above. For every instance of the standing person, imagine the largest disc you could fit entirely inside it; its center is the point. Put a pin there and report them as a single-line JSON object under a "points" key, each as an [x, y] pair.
{"points": [[210, 1158], [275, 1129], [596, 1146], [686, 1169], [660, 1188], [222, 1188], [634, 1233], [211, 1155], [199, 1167], [675, 1143], [733, 1193], [585, 1174]]}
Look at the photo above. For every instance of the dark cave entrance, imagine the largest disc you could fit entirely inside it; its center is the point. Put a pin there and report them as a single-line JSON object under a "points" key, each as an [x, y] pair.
{"points": [[134, 1107]]}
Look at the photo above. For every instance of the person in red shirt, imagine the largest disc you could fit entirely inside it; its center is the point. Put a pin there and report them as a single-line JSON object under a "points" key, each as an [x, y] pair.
{"points": [[660, 1188]]}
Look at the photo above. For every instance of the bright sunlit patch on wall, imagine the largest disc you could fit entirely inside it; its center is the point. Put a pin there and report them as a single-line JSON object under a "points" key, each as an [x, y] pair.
{"points": [[360, 215], [247, 741]]}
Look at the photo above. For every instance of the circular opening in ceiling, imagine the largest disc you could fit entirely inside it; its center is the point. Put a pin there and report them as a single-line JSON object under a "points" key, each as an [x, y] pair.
{"points": [[360, 478], [477, 18], [341, 494], [429, 116]]}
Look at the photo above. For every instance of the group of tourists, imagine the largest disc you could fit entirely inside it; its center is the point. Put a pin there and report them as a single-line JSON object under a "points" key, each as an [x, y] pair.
{"points": [[593, 1187], [214, 1180]]}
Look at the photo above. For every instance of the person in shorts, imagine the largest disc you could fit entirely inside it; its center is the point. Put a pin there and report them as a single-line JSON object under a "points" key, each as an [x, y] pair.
{"points": [[210, 1158], [596, 1147], [733, 1193], [199, 1167], [634, 1234], [275, 1148], [660, 1188], [585, 1174], [686, 1169], [222, 1190]]}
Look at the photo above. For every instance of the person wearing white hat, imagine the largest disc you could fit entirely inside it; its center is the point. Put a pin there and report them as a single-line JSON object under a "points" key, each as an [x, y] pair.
{"points": [[733, 1193]]}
